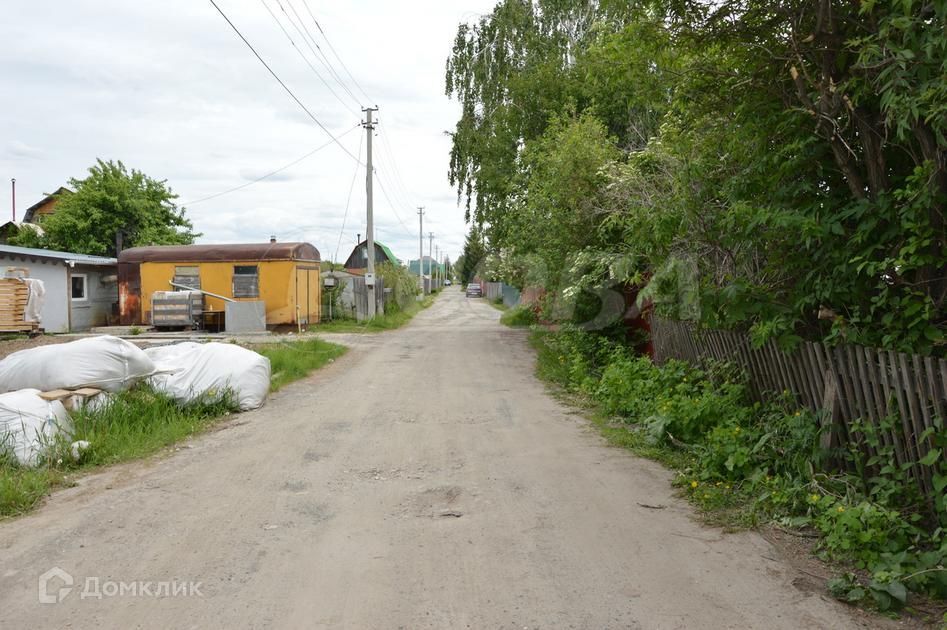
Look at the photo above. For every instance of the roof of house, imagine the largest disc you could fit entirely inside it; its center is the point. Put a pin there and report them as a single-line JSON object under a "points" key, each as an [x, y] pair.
{"points": [[384, 248], [429, 263], [28, 215], [81, 259], [18, 225], [244, 252]]}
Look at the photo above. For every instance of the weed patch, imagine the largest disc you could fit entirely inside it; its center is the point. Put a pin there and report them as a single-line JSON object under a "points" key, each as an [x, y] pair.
{"points": [[140, 422], [745, 463], [519, 316], [294, 360], [397, 318]]}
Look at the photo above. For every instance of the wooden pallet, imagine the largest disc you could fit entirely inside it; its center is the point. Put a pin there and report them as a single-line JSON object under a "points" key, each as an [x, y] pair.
{"points": [[14, 295], [71, 399]]}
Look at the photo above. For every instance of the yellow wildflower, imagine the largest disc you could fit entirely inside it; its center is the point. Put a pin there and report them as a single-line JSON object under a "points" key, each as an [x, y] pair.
{"points": [[694, 484], [840, 509]]}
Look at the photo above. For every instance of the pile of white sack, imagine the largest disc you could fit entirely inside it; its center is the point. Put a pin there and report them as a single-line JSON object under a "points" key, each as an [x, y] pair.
{"points": [[107, 363], [187, 372], [29, 424]]}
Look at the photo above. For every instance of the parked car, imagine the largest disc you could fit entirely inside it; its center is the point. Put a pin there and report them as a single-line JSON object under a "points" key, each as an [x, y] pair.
{"points": [[474, 290], [447, 283]]}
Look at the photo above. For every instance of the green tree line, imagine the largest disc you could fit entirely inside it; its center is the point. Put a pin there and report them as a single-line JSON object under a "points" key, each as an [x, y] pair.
{"points": [[776, 166]]}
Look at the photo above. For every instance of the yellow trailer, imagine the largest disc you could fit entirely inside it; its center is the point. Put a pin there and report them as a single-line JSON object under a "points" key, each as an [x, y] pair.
{"points": [[284, 276]]}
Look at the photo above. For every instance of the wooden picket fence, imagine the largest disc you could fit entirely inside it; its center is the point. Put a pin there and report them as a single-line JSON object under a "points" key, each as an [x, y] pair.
{"points": [[848, 382]]}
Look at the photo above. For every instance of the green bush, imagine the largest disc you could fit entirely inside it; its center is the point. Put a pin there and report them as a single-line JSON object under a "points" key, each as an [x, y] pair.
{"points": [[763, 462], [518, 316], [403, 285]]}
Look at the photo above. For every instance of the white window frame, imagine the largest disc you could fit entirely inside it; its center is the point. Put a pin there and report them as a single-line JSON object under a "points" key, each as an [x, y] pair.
{"points": [[85, 287]]}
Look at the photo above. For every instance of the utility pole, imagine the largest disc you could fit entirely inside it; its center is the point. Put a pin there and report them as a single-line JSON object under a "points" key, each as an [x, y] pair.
{"points": [[421, 249], [13, 185], [437, 270], [370, 232], [430, 248]]}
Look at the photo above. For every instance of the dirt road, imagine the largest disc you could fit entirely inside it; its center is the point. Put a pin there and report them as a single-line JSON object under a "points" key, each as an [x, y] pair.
{"points": [[425, 480]]}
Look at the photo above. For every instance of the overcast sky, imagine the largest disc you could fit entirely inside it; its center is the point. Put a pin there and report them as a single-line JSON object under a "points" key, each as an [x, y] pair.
{"points": [[168, 88]]}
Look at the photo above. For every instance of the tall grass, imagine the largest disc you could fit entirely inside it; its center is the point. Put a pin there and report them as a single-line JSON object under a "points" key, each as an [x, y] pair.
{"points": [[519, 316], [381, 323], [137, 423], [134, 423], [293, 361]]}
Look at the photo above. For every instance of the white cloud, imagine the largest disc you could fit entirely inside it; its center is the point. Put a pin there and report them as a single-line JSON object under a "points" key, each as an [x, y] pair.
{"points": [[19, 149]]}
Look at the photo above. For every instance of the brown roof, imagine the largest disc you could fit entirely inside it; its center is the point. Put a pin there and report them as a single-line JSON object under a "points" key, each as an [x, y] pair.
{"points": [[30, 213], [221, 253]]}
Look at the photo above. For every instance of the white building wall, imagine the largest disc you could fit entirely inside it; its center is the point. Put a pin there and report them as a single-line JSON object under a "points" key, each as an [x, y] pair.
{"points": [[55, 311]]}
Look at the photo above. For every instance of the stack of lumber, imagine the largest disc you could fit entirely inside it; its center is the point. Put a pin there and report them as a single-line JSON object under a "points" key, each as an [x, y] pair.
{"points": [[14, 295]]}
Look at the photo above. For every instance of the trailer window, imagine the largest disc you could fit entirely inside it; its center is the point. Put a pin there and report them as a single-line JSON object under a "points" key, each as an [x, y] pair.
{"points": [[246, 282], [187, 276]]}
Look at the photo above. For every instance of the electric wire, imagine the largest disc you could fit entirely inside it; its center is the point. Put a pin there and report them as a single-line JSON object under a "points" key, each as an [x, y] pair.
{"points": [[321, 56], [302, 55], [335, 54], [348, 201], [280, 81], [270, 174]]}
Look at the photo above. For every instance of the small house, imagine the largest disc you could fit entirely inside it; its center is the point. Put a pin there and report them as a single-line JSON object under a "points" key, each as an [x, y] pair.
{"points": [[284, 276], [45, 207], [358, 259], [81, 291], [430, 266]]}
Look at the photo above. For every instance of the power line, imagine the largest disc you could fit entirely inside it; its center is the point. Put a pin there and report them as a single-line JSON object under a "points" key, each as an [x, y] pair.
{"points": [[399, 180], [270, 174], [347, 202], [303, 56], [334, 53], [393, 209], [280, 81], [323, 59]]}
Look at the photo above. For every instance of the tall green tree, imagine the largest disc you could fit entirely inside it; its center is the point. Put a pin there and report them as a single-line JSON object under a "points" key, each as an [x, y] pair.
{"points": [[787, 159], [473, 256], [109, 201]]}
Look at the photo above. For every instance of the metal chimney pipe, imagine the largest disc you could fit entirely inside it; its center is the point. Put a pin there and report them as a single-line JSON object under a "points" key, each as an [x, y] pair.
{"points": [[13, 186]]}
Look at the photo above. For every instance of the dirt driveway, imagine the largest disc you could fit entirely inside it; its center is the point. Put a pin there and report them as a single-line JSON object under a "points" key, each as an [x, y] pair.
{"points": [[425, 480]]}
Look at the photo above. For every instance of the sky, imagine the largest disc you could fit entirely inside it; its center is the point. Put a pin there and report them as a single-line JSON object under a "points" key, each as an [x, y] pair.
{"points": [[168, 88]]}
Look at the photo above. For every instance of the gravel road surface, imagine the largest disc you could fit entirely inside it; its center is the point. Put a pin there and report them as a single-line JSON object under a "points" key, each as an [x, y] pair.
{"points": [[424, 480]]}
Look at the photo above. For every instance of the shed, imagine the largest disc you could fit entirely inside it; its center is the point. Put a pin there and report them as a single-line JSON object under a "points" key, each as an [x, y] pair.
{"points": [[358, 259], [284, 276], [81, 290]]}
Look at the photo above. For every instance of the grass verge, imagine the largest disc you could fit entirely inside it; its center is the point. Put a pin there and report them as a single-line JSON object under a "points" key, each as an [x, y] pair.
{"points": [[745, 464], [388, 321], [138, 423], [519, 317], [292, 361]]}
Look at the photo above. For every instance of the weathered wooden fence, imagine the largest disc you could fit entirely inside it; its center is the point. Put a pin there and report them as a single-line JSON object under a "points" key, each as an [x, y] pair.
{"points": [[849, 382]]}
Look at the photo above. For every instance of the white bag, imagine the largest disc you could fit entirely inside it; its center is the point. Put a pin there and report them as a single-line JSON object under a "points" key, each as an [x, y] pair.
{"points": [[29, 424], [105, 362], [34, 304], [193, 371]]}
